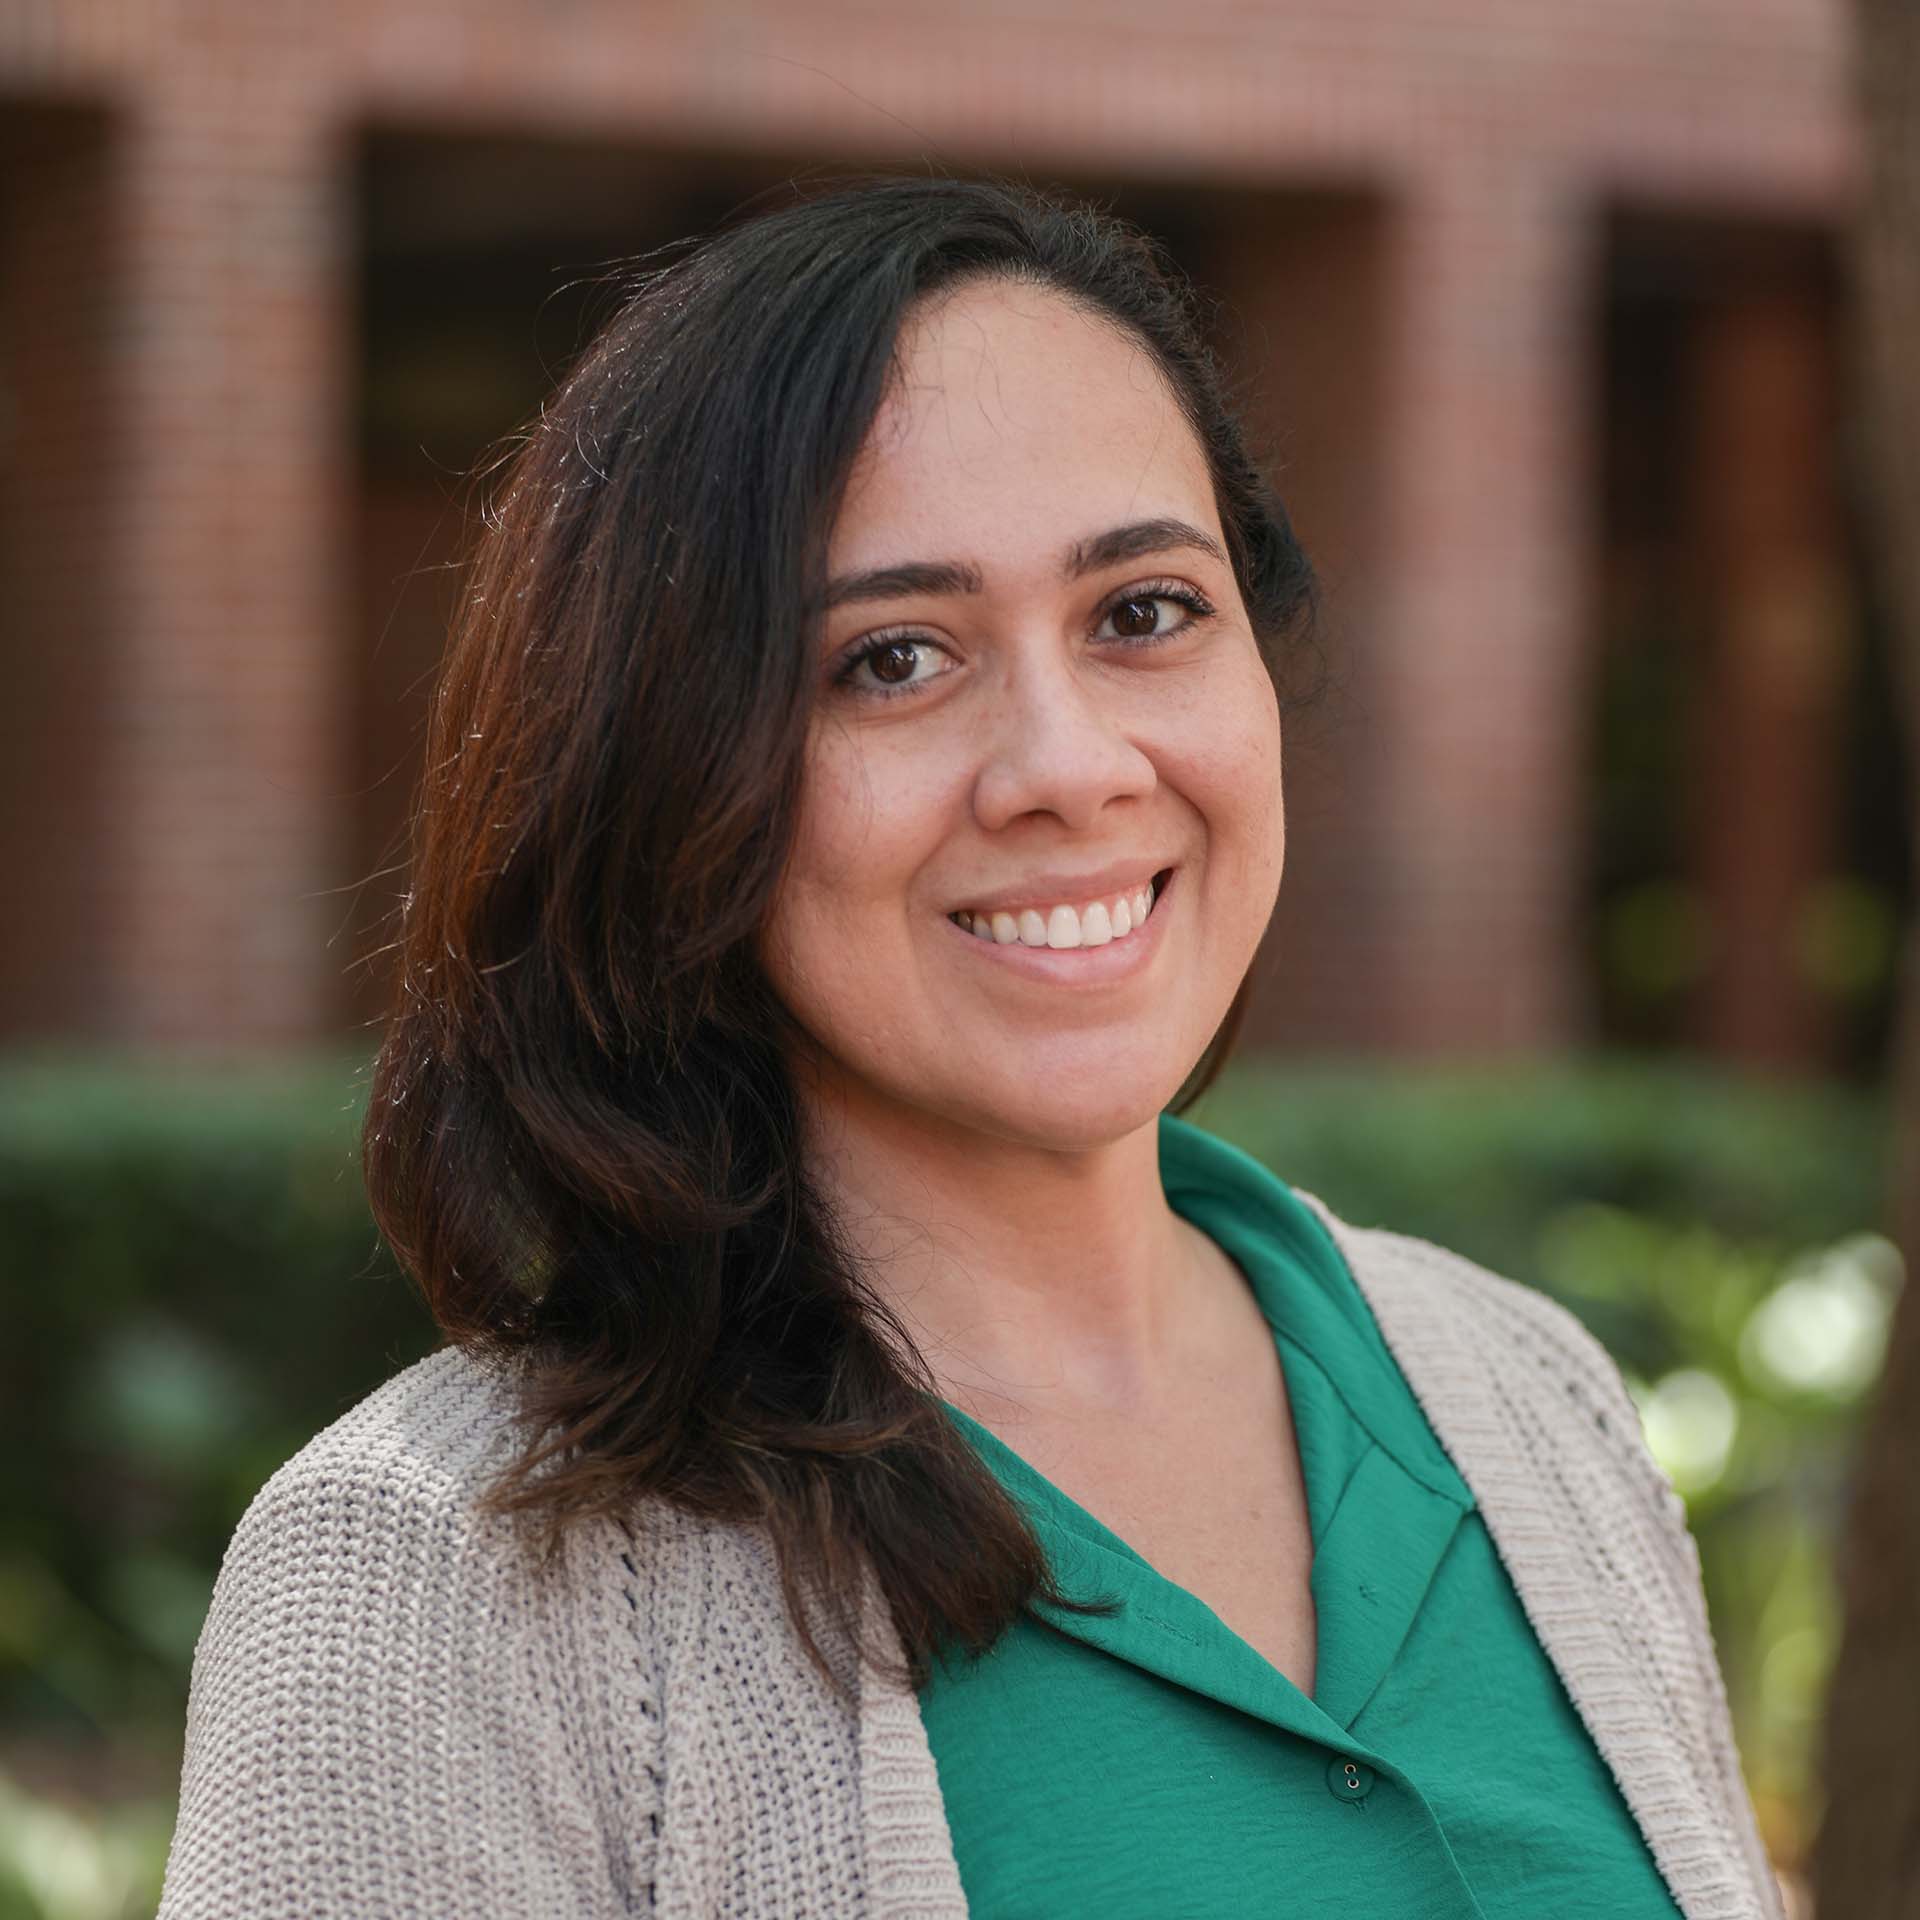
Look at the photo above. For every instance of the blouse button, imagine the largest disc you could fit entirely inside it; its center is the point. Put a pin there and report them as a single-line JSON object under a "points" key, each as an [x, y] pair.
{"points": [[1349, 1779]]}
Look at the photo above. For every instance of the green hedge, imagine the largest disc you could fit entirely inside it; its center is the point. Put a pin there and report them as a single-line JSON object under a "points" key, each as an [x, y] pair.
{"points": [[194, 1287], [1476, 1158]]}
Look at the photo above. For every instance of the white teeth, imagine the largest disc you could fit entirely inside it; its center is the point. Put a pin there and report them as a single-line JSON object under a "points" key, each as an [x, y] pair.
{"points": [[1094, 925]]}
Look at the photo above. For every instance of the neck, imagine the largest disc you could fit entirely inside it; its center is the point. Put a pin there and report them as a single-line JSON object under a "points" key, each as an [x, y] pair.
{"points": [[1036, 1281]]}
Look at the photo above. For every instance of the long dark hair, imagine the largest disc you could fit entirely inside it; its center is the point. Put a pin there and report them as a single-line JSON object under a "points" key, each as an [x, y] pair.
{"points": [[581, 1138]]}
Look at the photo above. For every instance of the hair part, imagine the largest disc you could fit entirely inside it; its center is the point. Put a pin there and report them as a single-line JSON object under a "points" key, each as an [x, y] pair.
{"points": [[582, 1138]]}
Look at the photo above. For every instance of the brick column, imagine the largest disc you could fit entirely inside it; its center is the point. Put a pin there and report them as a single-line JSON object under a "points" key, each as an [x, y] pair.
{"points": [[1767, 727], [57, 437], [221, 714], [1478, 697], [1301, 278]]}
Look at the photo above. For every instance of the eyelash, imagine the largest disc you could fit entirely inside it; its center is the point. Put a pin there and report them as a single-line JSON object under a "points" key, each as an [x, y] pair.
{"points": [[1196, 603]]}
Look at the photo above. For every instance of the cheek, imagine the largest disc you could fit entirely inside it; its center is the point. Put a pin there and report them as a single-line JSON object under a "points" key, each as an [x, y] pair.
{"points": [[856, 829], [867, 824], [1267, 827], [1229, 750], [1261, 758]]}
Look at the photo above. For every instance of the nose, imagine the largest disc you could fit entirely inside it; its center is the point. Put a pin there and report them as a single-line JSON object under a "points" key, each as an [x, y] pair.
{"points": [[1055, 745]]}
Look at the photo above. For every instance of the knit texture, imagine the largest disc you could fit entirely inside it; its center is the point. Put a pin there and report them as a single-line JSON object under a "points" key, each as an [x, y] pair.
{"points": [[398, 1711]]}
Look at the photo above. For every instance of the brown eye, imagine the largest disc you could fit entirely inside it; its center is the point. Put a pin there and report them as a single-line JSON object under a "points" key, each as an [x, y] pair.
{"points": [[893, 661], [1136, 619], [892, 664], [1135, 613]]}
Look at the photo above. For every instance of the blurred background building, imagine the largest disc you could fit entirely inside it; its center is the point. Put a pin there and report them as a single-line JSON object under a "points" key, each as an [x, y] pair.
{"points": [[1535, 306]]}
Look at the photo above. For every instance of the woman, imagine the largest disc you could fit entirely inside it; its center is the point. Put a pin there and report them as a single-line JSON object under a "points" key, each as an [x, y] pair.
{"points": [[884, 1461]]}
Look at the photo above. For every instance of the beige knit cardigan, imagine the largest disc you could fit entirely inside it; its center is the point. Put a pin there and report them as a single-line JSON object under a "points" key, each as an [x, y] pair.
{"points": [[395, 1712]]}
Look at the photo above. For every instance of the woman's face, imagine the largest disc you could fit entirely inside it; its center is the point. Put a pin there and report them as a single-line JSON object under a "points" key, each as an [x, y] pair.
{"points": [[1038, 696]]}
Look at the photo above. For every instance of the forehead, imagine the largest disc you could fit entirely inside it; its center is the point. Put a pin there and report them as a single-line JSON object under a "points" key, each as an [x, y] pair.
{"points": [[1016, 422]]}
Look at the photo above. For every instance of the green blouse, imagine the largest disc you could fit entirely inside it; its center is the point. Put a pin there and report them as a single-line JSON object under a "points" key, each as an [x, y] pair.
{"points": [[1151, 1762]]}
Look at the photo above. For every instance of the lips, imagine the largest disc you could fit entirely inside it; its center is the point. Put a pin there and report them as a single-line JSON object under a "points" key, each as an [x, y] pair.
{"points": [[1045, 890]]}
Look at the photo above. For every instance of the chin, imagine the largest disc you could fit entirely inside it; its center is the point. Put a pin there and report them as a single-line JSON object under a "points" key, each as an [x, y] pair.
{"points": [[1063, 1122]]}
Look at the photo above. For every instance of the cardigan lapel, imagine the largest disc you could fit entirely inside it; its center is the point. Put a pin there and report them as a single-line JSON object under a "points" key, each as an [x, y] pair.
{"points": [[1551, 1504], [910, 1869]]}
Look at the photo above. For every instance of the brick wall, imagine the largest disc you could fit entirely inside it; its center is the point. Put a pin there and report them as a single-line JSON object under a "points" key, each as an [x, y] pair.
{"points": [[1415, 195]]}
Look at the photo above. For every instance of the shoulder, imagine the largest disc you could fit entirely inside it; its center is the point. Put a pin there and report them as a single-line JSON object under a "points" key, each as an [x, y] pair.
{"points": [[419, 1452], [1537, 1416], [384, 1517], [1461, 1329], [391, 1680], [384, 1513]]}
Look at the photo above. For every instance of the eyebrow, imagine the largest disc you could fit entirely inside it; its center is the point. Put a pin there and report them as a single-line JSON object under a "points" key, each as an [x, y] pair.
{"points": [[1099, 550]]}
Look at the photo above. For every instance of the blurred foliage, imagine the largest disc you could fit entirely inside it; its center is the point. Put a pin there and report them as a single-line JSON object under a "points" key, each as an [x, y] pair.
{"points": [[194, 1287], [102, 1863]]}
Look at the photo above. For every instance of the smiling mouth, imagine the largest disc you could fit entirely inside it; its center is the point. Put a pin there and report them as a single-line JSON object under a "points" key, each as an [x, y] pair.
{"points": [[1087, 923]]}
